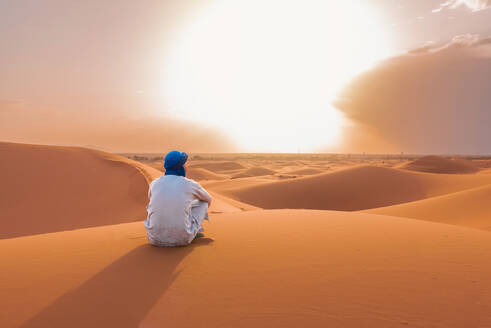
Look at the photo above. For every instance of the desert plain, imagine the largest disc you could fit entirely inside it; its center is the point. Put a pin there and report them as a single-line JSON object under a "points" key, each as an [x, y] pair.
{"points": [[313, 240]]}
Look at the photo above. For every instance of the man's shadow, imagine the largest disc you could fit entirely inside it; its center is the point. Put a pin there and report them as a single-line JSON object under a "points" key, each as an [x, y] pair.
{"points": [[122, 293]]}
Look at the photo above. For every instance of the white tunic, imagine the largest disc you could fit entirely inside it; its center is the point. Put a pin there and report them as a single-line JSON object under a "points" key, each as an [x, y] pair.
{"points": [[171, 216]]}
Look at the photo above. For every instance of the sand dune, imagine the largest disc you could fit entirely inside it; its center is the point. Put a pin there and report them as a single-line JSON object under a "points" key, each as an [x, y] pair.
{"points": [[254, 172], [216, 166], [285, 268], [289, 163], [437, 164], [470, 208], [482, 163], [45, 189], [357, 188], [220, 186], [223, 204], [255, 268], [306, 171], [200, 174]]}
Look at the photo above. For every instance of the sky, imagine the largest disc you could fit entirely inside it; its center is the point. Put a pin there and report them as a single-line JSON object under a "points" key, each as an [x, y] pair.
{"points": [[257, 76]]}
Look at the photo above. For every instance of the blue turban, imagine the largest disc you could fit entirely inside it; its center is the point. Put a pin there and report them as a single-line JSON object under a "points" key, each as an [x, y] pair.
{"points": [[173, 163]]}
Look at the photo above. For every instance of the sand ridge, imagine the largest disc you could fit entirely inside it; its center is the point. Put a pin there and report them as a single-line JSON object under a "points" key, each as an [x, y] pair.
{"points": [[255, 267], [437, 164], [50, 188], [351, 189], [201, 174], [255, 171], [306, 171], [216, 166], [469, 208]]}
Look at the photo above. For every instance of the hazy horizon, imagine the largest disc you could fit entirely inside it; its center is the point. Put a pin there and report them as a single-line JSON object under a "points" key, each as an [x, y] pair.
{"points": [[214, 76]]}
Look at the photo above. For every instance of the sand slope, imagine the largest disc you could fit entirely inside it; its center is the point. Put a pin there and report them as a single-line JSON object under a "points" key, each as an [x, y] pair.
{"points": [[255, 268], [234, 183], [285, 268], [482, 163], [470, 208], [437, 164], [223, 204], [306, 171], [200, 174], [254, 172], [216, 166], [46, 188], [357, 188]]}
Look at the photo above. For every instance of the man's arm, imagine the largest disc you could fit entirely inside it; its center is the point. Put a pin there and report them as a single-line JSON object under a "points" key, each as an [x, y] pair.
{"points": [[200, 193], [150, 190], [149, 196]]}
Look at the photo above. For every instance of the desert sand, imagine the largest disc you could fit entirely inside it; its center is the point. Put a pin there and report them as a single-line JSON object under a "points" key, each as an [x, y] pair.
{"points": [[215, 166], [351, 189], [436, 164], [362, 242], [254, 172], [201, 174], [306, 171], [469, 208], [46, 189]]}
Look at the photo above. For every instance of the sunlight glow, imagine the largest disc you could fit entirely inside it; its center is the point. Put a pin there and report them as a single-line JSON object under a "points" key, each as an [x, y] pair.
{"points": [[265, 71]]}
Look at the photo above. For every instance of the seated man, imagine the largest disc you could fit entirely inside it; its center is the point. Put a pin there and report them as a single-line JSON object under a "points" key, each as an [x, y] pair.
{"points": [[177, 205]]}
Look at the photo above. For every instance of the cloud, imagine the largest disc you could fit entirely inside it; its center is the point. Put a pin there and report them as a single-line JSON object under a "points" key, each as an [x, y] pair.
{"points": [[474, 5], [434, 99], [459, 41]]}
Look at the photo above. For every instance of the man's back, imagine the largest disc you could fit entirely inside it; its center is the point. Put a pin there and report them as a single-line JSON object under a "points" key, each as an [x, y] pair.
{"points": [[170, 221]]}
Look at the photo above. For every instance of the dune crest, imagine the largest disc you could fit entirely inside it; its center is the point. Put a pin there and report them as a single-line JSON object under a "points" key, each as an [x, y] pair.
{"points": [[306, 171], [469, 208], [200, 174], [256, 171], [352, 189], [437, 164], [49, 188], [216, 166]]}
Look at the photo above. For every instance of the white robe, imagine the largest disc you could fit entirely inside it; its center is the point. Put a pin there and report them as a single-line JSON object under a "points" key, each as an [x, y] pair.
{"points": [[176, 210]]}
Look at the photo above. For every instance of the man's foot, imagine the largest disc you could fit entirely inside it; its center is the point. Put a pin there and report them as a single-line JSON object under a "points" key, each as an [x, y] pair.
{"points": [[199, 235]]}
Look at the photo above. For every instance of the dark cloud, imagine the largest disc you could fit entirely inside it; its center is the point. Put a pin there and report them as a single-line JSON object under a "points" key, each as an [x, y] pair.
{"points": [[435, 99]]}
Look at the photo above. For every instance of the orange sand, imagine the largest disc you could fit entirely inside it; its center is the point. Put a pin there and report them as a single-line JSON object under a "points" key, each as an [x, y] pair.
{"points": [[255, 267], [306, 171], [436, 164], [357, 188], [469, 208], [45, 189], [217, 166], [285, 268], [254, 172], [200, 174]]}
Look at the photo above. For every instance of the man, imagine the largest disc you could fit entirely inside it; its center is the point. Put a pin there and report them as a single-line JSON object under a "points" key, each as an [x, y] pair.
{"points": [[177, 205]]}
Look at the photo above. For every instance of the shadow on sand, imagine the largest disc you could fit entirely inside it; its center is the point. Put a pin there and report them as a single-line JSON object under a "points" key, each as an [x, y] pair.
{"points": [[121, 294]]}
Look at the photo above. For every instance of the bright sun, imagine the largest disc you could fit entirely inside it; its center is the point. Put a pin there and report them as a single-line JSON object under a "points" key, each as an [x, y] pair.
{"points": [[265, 71]]}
